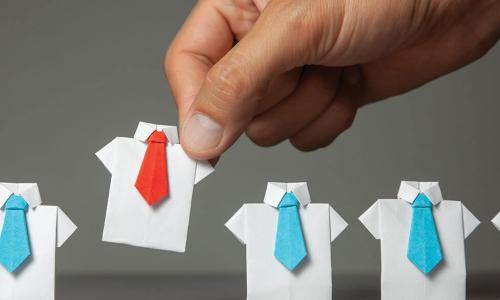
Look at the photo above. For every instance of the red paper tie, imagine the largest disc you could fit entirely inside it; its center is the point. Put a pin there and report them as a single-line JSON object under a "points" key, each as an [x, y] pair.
{"points": [[152, 181]]}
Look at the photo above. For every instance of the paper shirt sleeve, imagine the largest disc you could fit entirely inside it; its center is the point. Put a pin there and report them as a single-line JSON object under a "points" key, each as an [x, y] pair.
{"points": [[237, 224], [203, 169], [337, 224], [371, 220], [65, 227], [496, 221], [469, 220], [107, 154]]}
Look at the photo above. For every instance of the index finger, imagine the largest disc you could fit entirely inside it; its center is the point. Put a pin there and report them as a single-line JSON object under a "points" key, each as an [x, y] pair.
{"points": [[202, 41]]}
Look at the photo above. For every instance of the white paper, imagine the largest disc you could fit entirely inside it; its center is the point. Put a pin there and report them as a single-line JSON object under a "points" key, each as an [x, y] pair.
{"points": [[276, 190], [389, 220], [65, 228], [48, 227], [496, 221], [203, 169], [255, 226], [129, 219]]}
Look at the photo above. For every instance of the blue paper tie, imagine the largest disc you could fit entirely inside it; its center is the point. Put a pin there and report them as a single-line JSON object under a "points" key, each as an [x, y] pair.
{"points": [[14, 240], [290, 247], [424, 249]]}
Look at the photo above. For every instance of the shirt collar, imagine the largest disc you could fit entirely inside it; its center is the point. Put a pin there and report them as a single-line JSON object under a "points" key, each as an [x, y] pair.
{"points": [[276, 190], [409, 190], [144, 130], [29, 191]]}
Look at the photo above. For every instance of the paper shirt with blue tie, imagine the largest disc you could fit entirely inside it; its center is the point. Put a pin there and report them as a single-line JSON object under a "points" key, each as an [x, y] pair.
{"points": [[27, 270], [288, 244], [422, 243]]}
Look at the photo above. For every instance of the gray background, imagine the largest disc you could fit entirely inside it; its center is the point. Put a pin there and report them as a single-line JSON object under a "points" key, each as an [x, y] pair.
{"points": [[75, 74]]}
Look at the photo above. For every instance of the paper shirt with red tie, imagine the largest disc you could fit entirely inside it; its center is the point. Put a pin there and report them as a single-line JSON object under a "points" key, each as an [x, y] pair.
{"points": [[138, 214]]}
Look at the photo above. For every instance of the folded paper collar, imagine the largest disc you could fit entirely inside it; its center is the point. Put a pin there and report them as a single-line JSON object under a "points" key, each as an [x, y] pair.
{"points": [[276, 190], [29, 191], [144, 130], [409, 190]]}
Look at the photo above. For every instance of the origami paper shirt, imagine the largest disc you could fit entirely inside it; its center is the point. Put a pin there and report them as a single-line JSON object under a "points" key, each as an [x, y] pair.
{"points": [[48, 227], [129, 219], [389, 220], [255, 225]]}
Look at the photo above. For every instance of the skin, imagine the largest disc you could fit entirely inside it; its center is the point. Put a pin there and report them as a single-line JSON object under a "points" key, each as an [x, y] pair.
{"points": [[299, 70]]}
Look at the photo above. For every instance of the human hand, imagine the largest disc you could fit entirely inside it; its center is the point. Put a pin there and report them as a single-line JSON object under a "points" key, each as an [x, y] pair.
{"points": [[299, 70]]}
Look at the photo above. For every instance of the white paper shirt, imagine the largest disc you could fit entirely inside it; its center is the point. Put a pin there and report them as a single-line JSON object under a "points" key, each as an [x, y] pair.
{"points": [[389, 220], [129, 219], [255, 226], [48, 227], [496, 221]]}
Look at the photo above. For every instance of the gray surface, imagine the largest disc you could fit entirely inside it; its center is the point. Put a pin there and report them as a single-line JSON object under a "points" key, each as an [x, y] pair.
{"points": [[74, 74], [222, 288]]}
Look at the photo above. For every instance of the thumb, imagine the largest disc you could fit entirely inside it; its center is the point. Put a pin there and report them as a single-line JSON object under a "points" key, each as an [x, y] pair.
{"points": [[228, 98]]}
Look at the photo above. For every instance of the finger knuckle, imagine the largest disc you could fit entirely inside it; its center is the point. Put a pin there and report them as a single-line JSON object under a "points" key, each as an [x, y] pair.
{"points": [[227, 83], [298, 19], [483, 39], [346, 113], [325, 142], [261, 135], [304, 145], [168, 61], [290, 82]]}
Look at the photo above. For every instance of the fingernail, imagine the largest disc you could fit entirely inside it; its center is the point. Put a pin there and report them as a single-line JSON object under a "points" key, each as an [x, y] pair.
{"points": [[201, 133]]}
